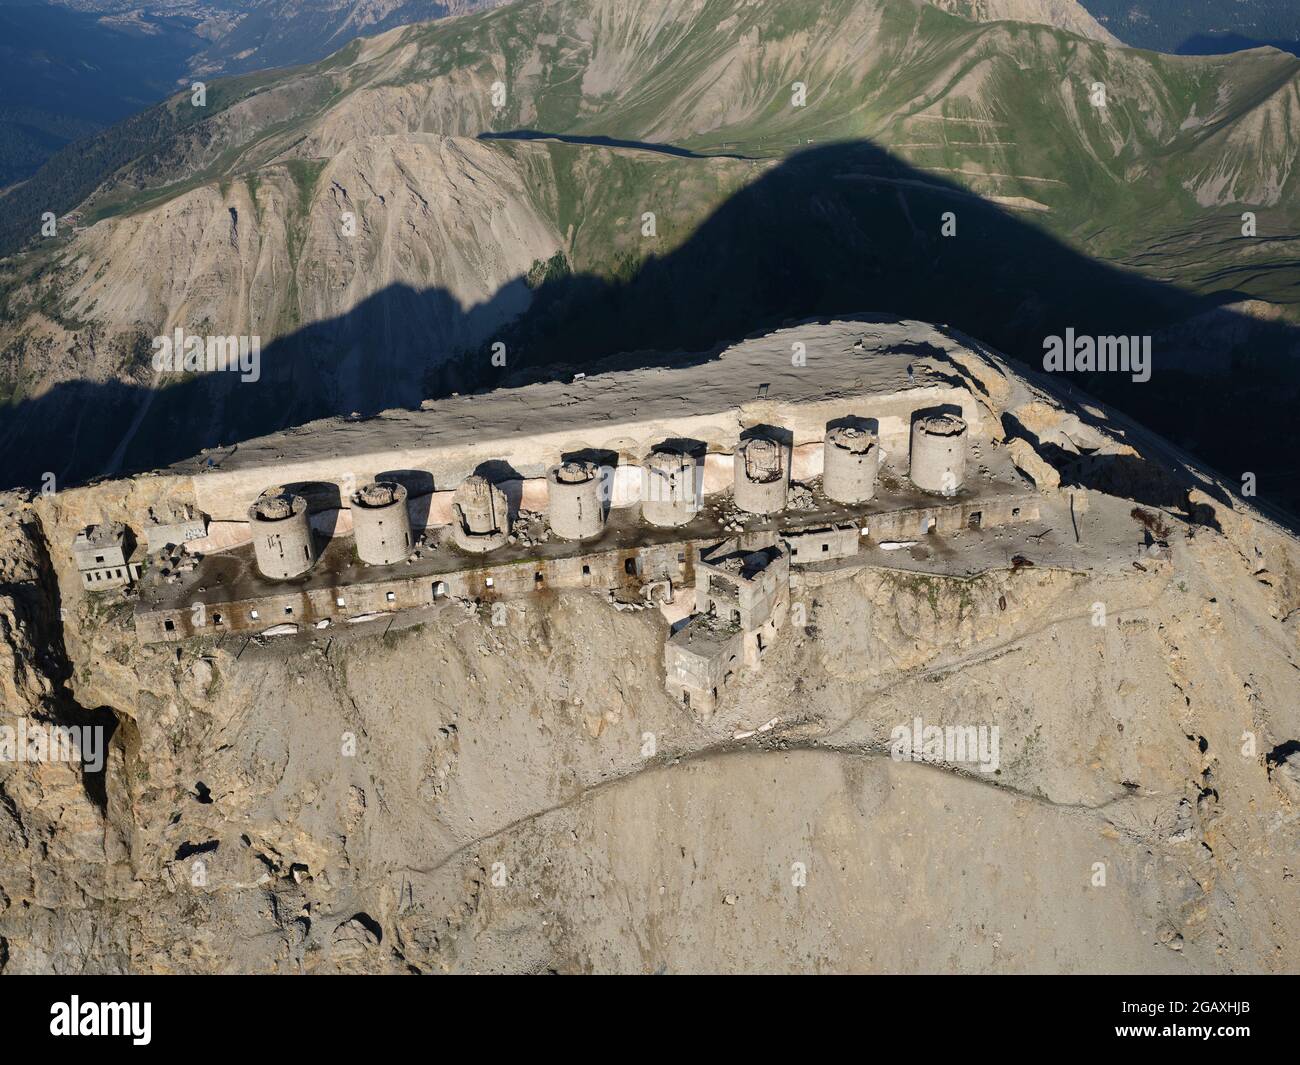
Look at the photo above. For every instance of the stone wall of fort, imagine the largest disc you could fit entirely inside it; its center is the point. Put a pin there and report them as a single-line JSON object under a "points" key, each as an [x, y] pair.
{"points": [[225, 495]]}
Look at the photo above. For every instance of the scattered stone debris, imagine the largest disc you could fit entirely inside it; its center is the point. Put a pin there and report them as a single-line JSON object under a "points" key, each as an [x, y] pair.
{"points": [[745, 734], [172, 561], [800, 497], [1170, 937], [529, 529], [621, 604]]}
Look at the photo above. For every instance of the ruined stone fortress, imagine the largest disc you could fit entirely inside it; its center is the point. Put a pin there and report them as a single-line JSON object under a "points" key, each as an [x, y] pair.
{"points": [[726, 475]]}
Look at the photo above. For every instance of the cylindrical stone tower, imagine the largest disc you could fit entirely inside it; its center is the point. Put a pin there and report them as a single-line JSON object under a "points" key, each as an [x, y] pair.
{"points": [[381, 525], [938, 454], [480, 515], [850, 459], [575, 510], [670, 487], [762, 476], [282, 540]]}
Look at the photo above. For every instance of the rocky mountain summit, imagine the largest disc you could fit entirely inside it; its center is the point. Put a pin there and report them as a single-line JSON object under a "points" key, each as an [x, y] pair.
{"points": [[460, 792]]}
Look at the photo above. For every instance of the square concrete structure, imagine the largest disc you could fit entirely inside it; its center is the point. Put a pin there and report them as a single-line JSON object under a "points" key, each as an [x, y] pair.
{"points": [[100, 545], [700, 660], [822, 544], [748, 586], [741, 584], [102, 553], [173, 526]]}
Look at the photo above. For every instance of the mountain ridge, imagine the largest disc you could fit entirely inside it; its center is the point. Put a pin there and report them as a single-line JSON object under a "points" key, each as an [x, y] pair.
{"points": [[390, 130]]}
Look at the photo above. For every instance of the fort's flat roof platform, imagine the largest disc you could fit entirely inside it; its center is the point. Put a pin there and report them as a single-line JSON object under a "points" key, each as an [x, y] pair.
{"points": [[688, 385], [871, 366]]}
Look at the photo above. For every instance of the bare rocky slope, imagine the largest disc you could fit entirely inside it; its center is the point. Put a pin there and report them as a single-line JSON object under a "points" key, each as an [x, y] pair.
{"points": [[1063, 14], [459, 796]]}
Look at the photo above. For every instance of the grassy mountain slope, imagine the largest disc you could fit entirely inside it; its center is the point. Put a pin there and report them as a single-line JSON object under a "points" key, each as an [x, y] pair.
{"points": [[70, 67], [231, 219]]}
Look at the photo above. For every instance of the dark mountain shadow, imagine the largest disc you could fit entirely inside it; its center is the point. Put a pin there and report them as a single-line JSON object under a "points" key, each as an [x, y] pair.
{"points": [[1137, 477], [607, 142], [65, 74], [834, 230], [1223, 43]]}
